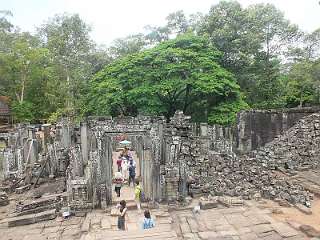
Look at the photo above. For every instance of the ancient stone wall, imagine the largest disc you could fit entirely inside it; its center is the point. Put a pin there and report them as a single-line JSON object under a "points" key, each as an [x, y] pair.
{"points": [[255, 128], [295, 150], [177, 157], [219, 171], [143, 132]]}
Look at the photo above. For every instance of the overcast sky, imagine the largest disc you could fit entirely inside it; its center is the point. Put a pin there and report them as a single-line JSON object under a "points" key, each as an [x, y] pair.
{"points": [[112, 19]]}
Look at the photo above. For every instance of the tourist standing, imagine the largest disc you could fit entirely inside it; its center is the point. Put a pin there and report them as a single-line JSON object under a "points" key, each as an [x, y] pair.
{"points": [[147, 221], [118, 181], [137, 194], [122, 215]]}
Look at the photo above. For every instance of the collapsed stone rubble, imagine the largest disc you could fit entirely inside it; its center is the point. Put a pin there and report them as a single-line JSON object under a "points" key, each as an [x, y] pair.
{"points": [[224, 173], [245, 177], [297, 149]]}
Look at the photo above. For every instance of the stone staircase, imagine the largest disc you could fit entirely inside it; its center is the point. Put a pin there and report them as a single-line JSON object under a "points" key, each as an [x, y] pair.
{"points": [[104, 226]]}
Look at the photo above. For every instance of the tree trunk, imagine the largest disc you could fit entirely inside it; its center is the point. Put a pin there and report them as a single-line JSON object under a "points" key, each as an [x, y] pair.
{"points": [[23, 84], [301, 101], [186, 99]]}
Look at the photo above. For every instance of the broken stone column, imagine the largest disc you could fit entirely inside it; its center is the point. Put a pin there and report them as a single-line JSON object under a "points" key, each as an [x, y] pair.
{"points": [[65, 132], [33, 145], [8, 162], [203, 129], [76, 162], [84, 142], [46, 136]]}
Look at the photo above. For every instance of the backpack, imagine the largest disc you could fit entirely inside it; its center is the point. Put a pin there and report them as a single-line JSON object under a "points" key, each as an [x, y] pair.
{"points": [[132, 170]]}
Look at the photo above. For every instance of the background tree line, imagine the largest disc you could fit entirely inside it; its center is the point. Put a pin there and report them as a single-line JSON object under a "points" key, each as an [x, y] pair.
{"points": [[210, 65]]}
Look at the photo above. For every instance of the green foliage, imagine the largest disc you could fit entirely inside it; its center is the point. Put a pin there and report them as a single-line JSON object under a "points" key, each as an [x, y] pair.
{"points": [[176, 74], [251, 39], [67, 38], [225, 112], [124, 46], [303, 84], [237, 55], [23, 69], [23, 112]]}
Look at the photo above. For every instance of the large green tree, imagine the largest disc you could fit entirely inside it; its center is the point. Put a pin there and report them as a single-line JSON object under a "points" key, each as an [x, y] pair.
{"points": [[178, 74], [67, 38], [124, 46], [252, 41], [23, 70], [303, 84]]}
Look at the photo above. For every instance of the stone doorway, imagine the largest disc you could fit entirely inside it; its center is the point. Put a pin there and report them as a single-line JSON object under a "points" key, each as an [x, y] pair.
{"points": [[104, 136], [127, 192]]}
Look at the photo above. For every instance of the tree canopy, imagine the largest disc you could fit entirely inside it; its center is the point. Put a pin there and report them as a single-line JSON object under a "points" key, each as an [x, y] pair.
{"points": [[210, 65], [178, 74]]}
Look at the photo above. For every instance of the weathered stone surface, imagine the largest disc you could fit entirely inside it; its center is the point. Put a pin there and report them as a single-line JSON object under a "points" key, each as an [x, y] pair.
{"points": [[208, 235], [284, 230], [309, 231], [262, 228], [105, 223], [29, 219], [248, 236], [186, 159], [22, 189], [4, 200], [208, 204], [303, 209]]}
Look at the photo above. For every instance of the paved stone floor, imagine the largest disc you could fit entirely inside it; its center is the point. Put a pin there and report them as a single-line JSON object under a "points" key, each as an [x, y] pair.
{"points": [[246, 222], [252, 221]]}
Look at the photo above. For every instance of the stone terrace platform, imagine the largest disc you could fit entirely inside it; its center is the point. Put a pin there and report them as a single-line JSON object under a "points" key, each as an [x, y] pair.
{"points": [[247, 222]]}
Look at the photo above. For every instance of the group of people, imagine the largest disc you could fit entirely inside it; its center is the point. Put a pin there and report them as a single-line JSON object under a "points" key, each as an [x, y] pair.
{"points": [[127, 173], [147, 223], [127, 166]]}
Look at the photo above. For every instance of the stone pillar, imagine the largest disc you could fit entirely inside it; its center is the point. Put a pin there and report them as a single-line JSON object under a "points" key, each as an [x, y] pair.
{"points": [[32, 147], [65, 135], [46, 136], [84, 142], [8, 162], [147, 174], [107, 166], [171, 185], [203, 129], [77, 164]]}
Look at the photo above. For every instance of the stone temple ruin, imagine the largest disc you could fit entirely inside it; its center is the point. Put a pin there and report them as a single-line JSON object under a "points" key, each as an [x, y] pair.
{"points": [[177, 159]]}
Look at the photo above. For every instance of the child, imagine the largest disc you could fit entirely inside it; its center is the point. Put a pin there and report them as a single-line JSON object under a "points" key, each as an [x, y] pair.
{"points": [[147, 221], [122, 216], [137, 195]]}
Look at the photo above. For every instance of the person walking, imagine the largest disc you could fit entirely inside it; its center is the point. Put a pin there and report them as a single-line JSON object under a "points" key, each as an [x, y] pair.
{"points": [[119, 164], [118, 181], [122, 215], [125, 170], [132, 173], [147, 221], [137, 194]]}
